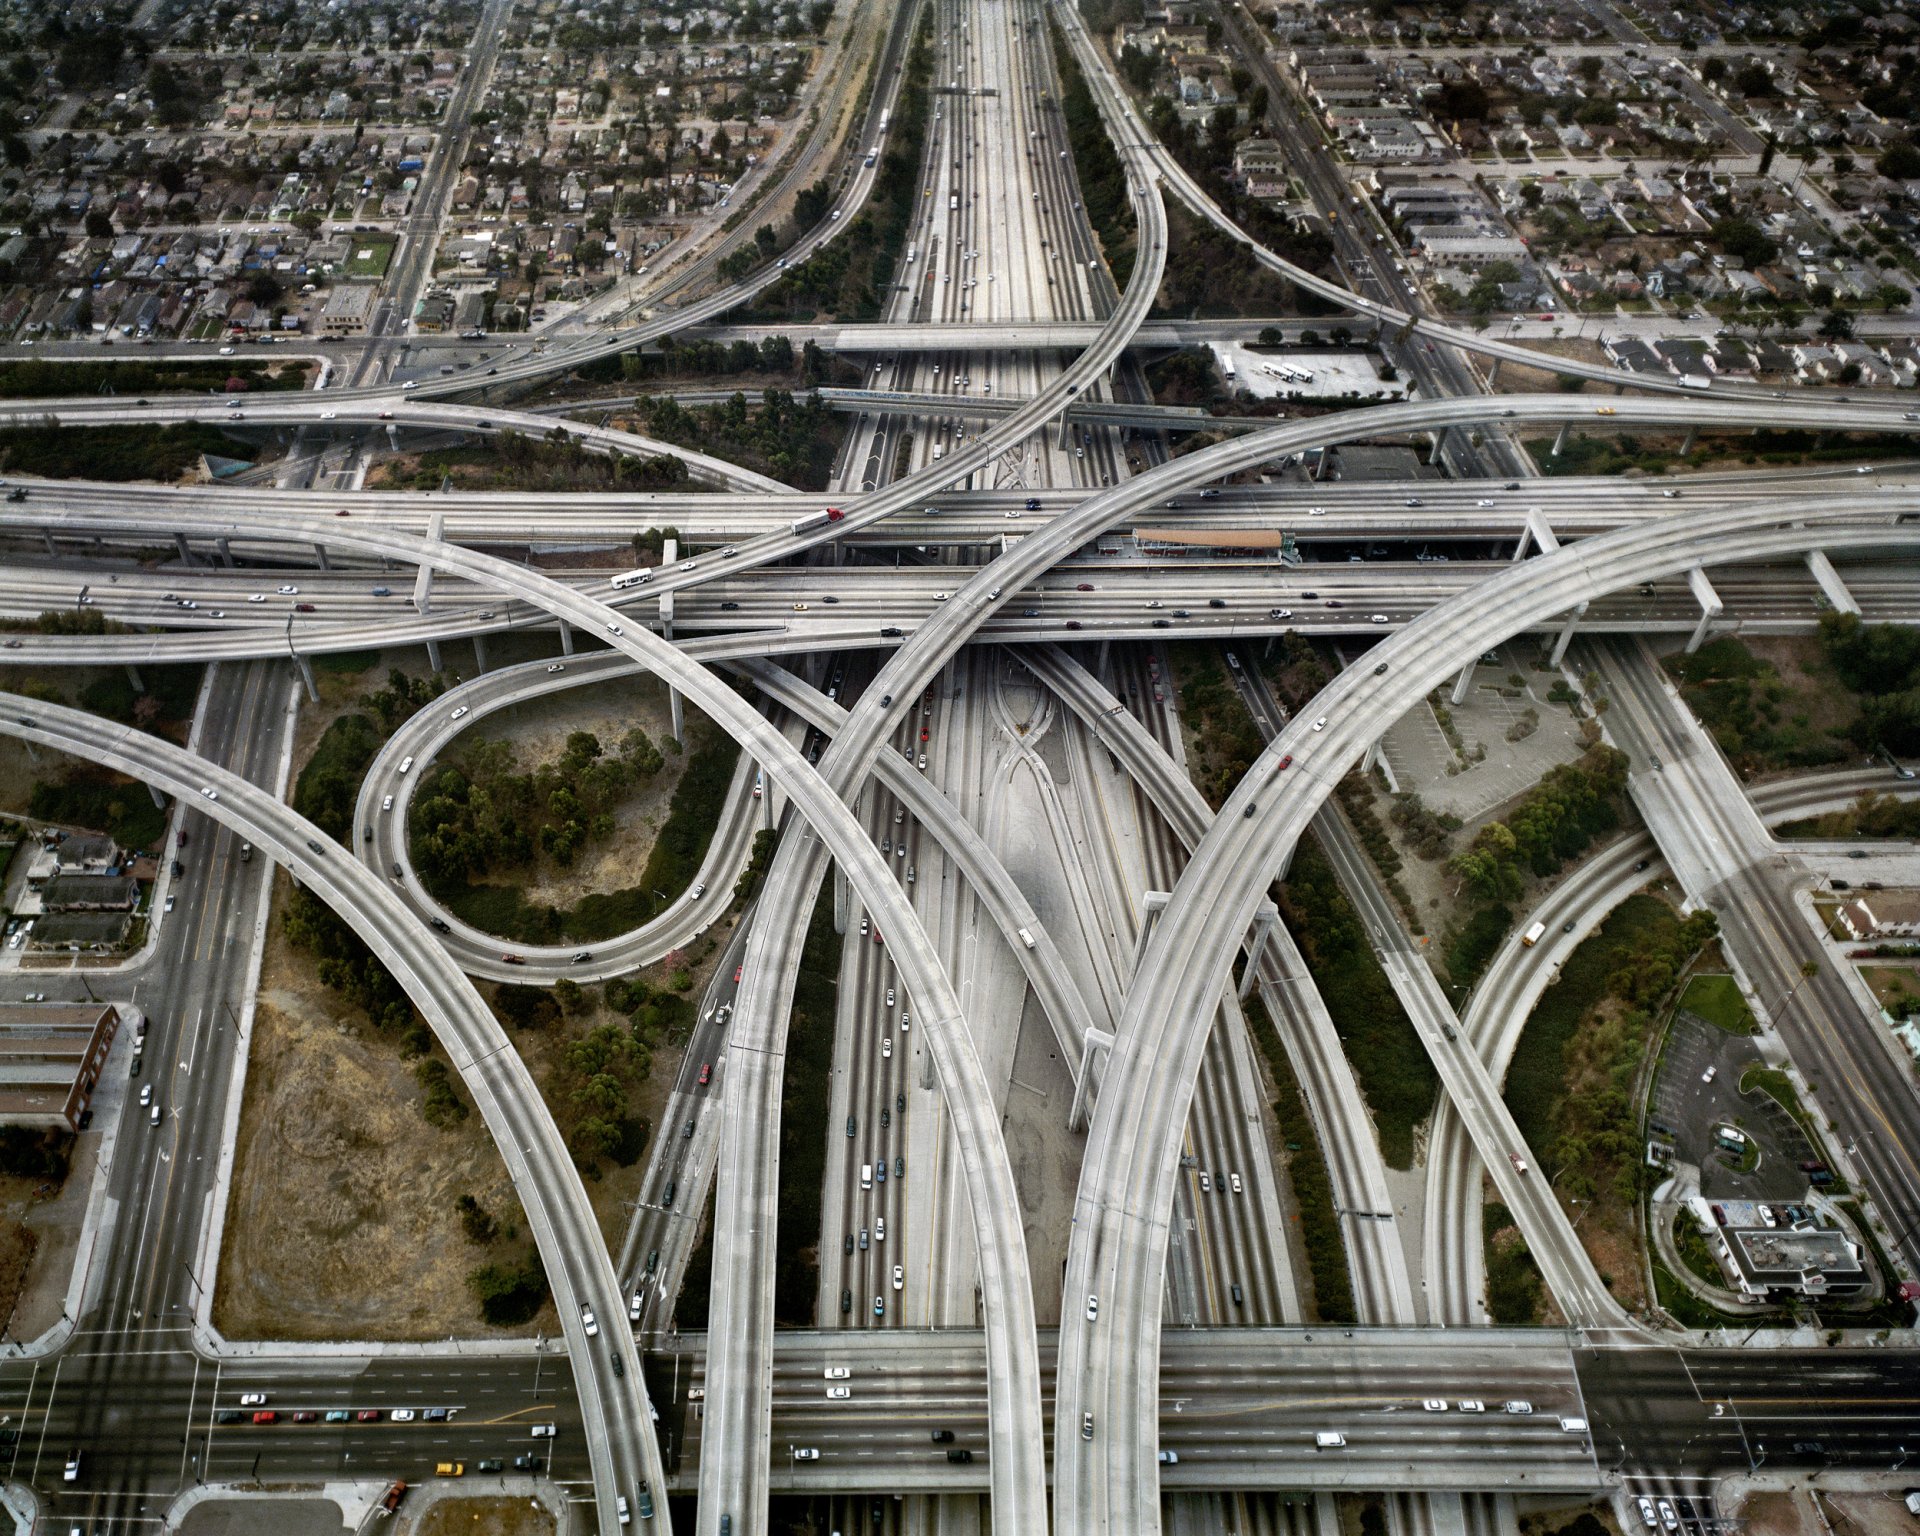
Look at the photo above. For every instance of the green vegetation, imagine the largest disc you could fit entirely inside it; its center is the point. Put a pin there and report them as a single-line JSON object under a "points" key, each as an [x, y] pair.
{"points": [[370, 256], [1695, 1250], [1611, 455], [443, 1105], [1777, 1086], [1103, 181], [1716, 998], [1307, 1172], [1224, 740], [696, 1281], [1569, 1085], [1515, 1293], [31, 1154], [849, 277], [1749, 710], [1211, 273], [1472, 946], [328, 786], [792, 439], [805, 1091], [483, 816], [166, 700], [513, 461], [1355, 794], [102, 801], [1387, 1056], [1572, 805], [1871, 816], [1678, 1301], [21, 379], [1880, 662], [55, 452], [344, 963], [477, 1223], [509, 1294], [592, 1088]]}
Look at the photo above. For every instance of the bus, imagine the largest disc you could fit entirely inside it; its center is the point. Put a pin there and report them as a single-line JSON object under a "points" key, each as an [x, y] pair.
{"points": [[1533, 935], [631, 579]]}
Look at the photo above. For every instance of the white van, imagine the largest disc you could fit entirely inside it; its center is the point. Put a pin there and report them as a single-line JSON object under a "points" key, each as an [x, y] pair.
{"points": [[1574, 1426], [1328, 1440], [866, 1175]]}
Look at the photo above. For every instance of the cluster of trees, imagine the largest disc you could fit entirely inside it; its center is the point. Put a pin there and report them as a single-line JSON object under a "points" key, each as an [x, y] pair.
{"points": [[329, 785], [1740, 236], [1514, 1288], [698, 357], [511, 1293], [1387, 1056], [1570, 1085], [31, 1154], [1870, 816], [1881, 663], [134, 452], [1103, 182], [1229, 739], [792, 439], [805, 1091], [100, 799], [849, 277], [558, 462], [472, 818], [1561, 815], [345, 965], [1749, 710], [591, 1087], [403, 698], [22, 379]]}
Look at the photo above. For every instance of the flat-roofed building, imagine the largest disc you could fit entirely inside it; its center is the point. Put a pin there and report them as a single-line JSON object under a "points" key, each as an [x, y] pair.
{"points": [[51, 1057]]}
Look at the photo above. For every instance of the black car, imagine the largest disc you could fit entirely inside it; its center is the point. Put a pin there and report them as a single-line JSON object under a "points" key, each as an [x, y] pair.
{"points": [[440, 925], [943, 1437]]}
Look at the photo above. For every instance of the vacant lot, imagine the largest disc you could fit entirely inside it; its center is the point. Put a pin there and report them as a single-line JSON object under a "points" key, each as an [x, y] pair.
{"points": [[484, 1517]]}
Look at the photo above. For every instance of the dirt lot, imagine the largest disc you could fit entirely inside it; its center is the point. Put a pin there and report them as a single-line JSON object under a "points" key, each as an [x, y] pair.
{"points": [[342, 1221], [1517, 380], [1813, 688], [539, 732], [1847, 1514], [484, 1517]]}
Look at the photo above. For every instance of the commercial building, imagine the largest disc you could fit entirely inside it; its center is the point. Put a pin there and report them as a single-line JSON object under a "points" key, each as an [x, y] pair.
{"points": [[349, 309], [51, 1057]]}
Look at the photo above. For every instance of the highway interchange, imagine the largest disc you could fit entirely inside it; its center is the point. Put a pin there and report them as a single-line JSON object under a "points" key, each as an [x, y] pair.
{"points": [[1170, 1086]]}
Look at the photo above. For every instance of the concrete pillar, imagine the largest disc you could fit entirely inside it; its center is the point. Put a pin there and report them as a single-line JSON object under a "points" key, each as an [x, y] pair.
{"points": [[1152, 904], [225, 546], [1710, 607], [423, 578], [1370, 757], [1100, 658], [1544, 538], [306, 676], [480, 651], [320, 554], [566, 638], [180, 547], [1461, 684], [47, 535], [1257, 936], [1565, 637], [133, 677], [1560, 438], [1686, 447], [1830, 582], [1093, 1057], [433, 656], [679, 715], [153, 790], [1493, 374], [842, 916]]}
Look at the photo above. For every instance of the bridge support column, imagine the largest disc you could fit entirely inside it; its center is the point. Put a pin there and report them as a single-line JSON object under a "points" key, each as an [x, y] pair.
{"points": [[133, 678], [566, 638], [1560, 438], [1098, 1048], [320, 554], [225, 546], [669, 553], [1710, 606], [1544, 538], [1830, 582], [1152, 904], [46, 534], [842, 917], [1371, 756], [679, 715], [479, 652], [1493, 374], [1100, 659], [1565, 637], [1461, 684], [153, 790], [423, 579], [306, 677], [1686, 446], [1257, 936], [433, 656], [180, 548]]}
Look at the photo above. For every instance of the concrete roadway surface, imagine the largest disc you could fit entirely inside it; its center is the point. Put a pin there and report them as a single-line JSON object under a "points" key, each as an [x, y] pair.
{"points": [[1723, 857], [544, 1178], [1131, 1156], [152, 1273]]}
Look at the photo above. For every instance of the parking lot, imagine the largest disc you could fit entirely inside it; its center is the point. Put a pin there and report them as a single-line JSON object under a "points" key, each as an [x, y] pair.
{"points": [[1693, 1108]]}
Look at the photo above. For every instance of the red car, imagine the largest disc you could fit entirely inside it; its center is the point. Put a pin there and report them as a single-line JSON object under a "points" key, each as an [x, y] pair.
{"points": [[1085, 586], [306, 1416], [925, 733], [738, 972], [706, 1073], [514, 959], [1287, 761], [368, 1415], [266, 1416]]}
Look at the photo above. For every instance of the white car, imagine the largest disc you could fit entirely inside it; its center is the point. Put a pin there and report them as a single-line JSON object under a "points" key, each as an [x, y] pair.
{"points": [[634, 1306], [1377, 618], [839, 1373], [288, 591], [886, 1048], [1647, 1517], [557, 666], [386, 802], [403, 1416], [258, 597], [1320, 724], [1206, 1181], [1708, 1075], [806, 1453], [210, 792], [170, 900], [247, 1399], [941, 597], [586, 1320], [889, 997], [1234, 1180], [1093, 1309], [1435, 1405], [899, 1276], [839, 1394], [540, 1431], [880, 1225], [460, 713]]}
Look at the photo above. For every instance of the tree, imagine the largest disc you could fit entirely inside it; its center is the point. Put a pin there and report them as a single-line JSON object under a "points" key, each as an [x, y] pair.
{"points": [[1899, 161], [1836, 325], [99, 224]]}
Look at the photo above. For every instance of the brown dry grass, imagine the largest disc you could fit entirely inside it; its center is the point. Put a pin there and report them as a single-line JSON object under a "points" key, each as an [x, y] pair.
{"points": [[1517, 380], [484, 1517], [18, 1242]]}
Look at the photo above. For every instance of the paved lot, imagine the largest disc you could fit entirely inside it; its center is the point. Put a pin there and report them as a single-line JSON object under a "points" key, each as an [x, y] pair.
{"points": [[1692, 1109], [244, 1517], [1420, 755]]}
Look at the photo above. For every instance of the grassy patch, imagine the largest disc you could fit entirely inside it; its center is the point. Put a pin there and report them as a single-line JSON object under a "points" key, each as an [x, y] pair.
{"points": [[1717, 999], [1515, 1292], [1775, 1085], [1388, 1058], [1307, 1172], [370, 256], [1695, 1249], [21, 379], [1689, 1311], [1755, 716], [1472, 946], [328, 786]]}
